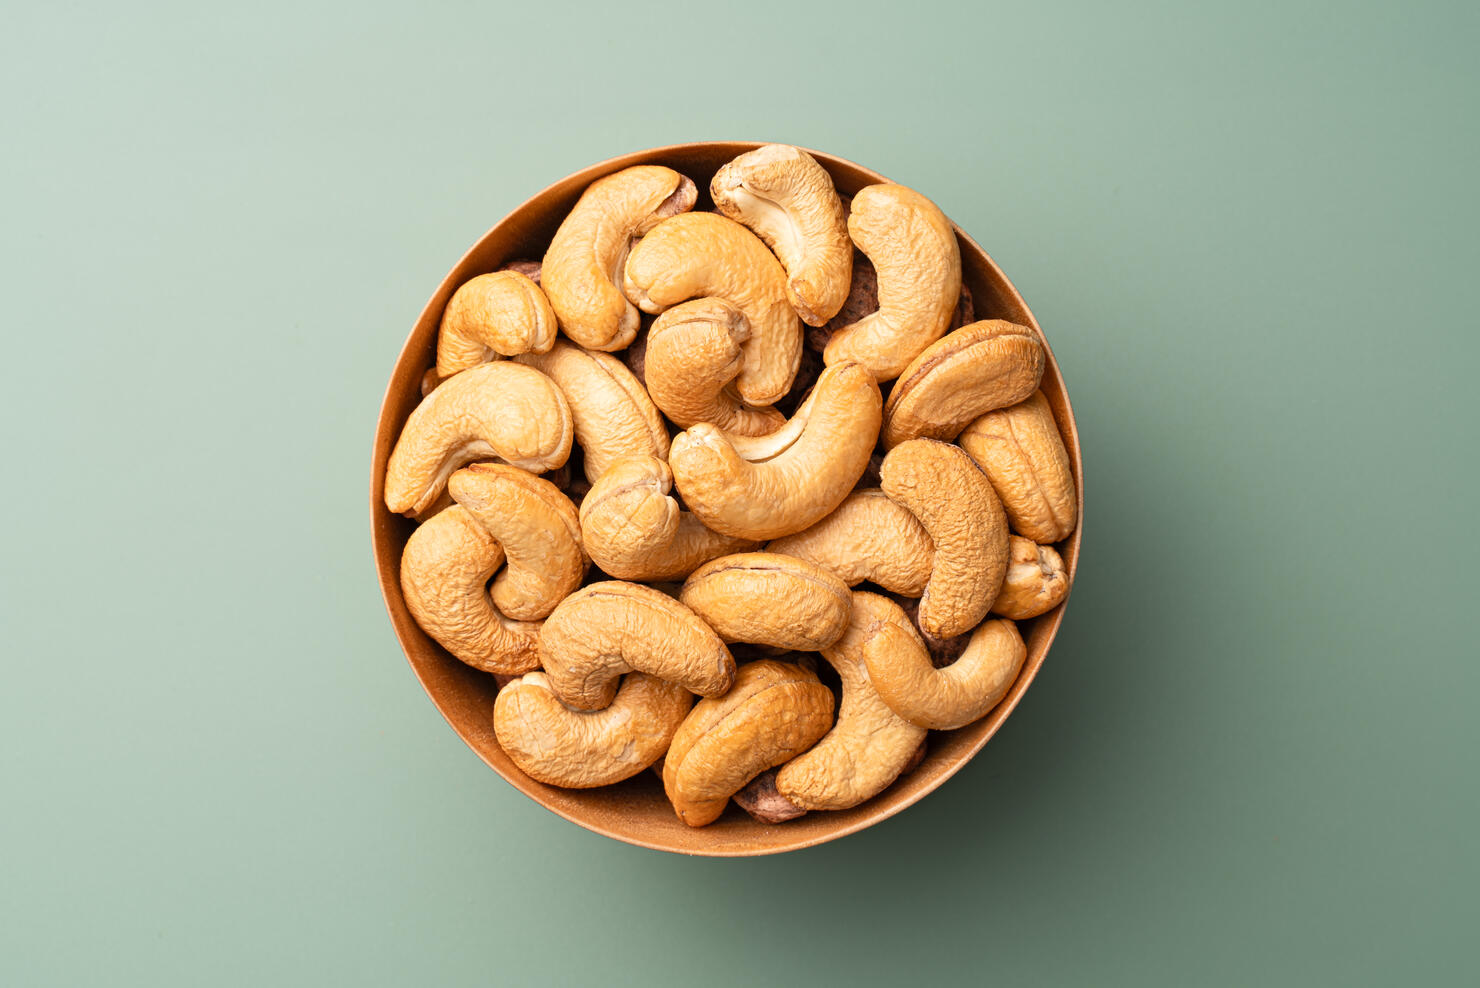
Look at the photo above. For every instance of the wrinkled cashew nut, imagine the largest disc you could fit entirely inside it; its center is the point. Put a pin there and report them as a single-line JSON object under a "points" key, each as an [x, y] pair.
{"points": [[1037, 580], [1022, 454], [769, 599], [493, 315], [693, 352], [868, 537]]}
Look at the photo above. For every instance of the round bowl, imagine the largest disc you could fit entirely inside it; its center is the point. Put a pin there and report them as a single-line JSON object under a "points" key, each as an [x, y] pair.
{"points": [[636, 811]]}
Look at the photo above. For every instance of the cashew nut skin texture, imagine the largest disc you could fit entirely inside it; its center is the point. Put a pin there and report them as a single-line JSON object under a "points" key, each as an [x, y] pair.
{"points": [[693, 352], [634, 530], [775, 711], [779, 484], [769, 599], [538, 528], [610, 628], [789, 200], [940, 699], [499, 409], [1037, 580], [954, 501], [611, 412], [498, 314], [582, 269], [581, 749], [867, 537], [913, 248], [444, 577], [869, 746], [986, 365], [705, 255], [1022, 454]]}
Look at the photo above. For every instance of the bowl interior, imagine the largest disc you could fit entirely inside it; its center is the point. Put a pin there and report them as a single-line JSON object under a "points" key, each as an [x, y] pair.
{"points": [[636, 811]]}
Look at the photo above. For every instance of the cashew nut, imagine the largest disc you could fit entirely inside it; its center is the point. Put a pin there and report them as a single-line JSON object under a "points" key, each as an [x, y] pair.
{"points": [[769, 599], [705, 255], [503, 313], [1022, 454], [580, 749], [606, 629], [868, 537], [537, 527], [986, 365], [946, 490], [612, 413], [770, 486], [763, 801], [913, 248], [774, 712], [444, 577], [693, 352], [870, 745], [499, 409], [1036, 582], [788, 199], [582, 269]]}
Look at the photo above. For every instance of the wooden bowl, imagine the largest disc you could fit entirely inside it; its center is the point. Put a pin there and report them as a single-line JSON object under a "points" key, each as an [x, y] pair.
{"points": [[636, 811]]}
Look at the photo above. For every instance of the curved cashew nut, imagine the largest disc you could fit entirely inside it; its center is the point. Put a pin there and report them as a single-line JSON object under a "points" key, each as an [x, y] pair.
{"points": [[968, 528], [774, 712], [634, 531], [913, 248], [1037, 580], [612, 413], [788, 199], [868, 537], [869, 746], [769, 599], [1022, 454], [606, 629], [581, 749], [538, 529], [770, 486], [444, 577], [987, 365], [497, 409], [693, 352], [582, 269], [705, 255], [503, 313]]}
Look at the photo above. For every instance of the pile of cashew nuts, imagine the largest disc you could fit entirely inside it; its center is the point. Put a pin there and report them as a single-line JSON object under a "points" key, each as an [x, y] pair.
{"points": [[619, 512]]}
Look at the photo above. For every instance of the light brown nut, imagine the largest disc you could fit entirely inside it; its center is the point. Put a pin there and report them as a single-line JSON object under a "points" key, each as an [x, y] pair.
{"points": [[581, 749], [693, 352], [634, 530], [939, 699], [582, 269], [770, 486], [705, 255], [498, 314], [764, 802], [444, 577], [613, 415], [989, 364], [775, 711], [769, 599], [539, 531], [606, 629], [788, 199], [500, 409], [868, 537], [1036, 582], [913, 248], [944, 488], [1022, 454], [869, 746]]}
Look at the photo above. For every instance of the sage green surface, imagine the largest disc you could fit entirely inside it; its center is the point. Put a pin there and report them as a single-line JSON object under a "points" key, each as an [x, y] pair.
{"points": [[1250, 232]]}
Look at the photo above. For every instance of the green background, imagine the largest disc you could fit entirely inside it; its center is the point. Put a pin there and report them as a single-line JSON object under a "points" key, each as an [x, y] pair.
{"points": [[1250, 232]]}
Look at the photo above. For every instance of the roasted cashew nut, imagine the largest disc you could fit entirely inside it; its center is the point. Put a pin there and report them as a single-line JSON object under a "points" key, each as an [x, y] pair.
{"points": [[1022, 454], [581, 749], [498, 314], [913, 248], [788, 199], [606, 629], [444, 576], [1037, 580], [693, 352], [769, 599], [499, 409], [774, 712], [582, 269], [868, 537]]}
